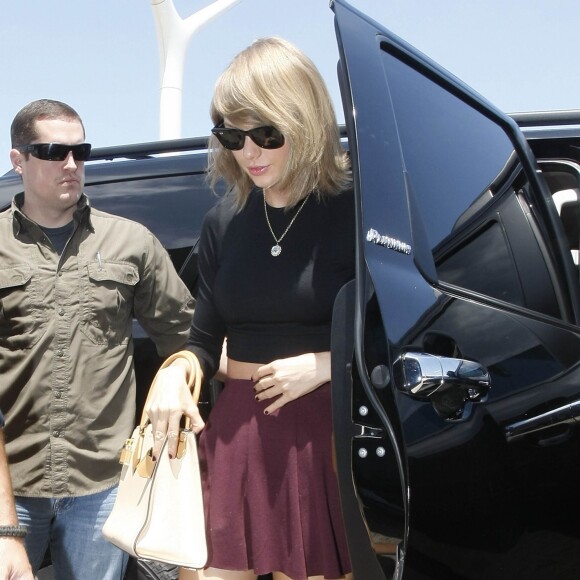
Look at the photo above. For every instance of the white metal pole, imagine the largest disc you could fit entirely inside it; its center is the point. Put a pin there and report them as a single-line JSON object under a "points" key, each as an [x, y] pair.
{"points": [[173, 35]]}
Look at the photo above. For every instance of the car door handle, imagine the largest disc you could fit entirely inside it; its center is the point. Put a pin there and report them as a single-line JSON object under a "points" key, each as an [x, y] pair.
{"points": [[544, 424], [426, 376]]}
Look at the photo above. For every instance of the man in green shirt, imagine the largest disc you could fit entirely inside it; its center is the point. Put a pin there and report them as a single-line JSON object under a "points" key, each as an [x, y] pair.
{"points": [[71, 280]]}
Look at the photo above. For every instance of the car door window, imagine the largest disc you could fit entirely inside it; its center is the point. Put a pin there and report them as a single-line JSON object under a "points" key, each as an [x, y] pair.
{"points": [[472, 194]]}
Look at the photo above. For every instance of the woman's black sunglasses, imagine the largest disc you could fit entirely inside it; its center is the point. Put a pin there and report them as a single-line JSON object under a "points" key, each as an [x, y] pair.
{"points": [[57, 151], [266, 137]]}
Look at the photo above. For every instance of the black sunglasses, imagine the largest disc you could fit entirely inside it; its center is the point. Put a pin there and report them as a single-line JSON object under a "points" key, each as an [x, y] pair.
{"points": [[57, 151], [266, 137]]}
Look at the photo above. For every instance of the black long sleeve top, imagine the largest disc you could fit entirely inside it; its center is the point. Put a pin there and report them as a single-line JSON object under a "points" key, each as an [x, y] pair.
{"points": [[270, 307]]}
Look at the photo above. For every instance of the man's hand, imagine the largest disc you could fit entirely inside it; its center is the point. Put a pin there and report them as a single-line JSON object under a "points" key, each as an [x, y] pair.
{"points": [[14, 563]]}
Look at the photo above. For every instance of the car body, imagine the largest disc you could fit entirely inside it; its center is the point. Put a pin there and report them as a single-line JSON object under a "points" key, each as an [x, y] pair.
{"points": [[456, 350]]}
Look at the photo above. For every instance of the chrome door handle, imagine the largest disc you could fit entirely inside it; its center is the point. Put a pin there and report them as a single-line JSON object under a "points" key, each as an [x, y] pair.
{"points": [[447, 382]]}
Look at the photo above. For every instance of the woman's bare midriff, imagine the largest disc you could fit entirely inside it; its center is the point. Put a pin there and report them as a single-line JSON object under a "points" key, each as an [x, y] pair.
{"points": [[241, 370]]}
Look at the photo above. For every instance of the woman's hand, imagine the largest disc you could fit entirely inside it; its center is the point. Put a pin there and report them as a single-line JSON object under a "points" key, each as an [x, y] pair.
{"points": [[171, 398], [289, 378]]}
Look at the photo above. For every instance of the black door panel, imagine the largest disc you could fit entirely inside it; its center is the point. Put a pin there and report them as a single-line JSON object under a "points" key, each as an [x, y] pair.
{"points": [[463, 270]]}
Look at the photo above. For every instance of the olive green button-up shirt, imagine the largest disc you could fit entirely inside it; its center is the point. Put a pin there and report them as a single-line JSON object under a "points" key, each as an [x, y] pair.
{"points": [[67, 382]]}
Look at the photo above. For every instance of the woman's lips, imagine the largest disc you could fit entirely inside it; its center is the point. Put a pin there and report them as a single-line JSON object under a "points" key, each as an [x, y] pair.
{"points": [[258, 170]]}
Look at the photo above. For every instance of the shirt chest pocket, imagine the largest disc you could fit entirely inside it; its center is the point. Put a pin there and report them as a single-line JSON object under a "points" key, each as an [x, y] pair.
{"points": [[109, 289], [22, 308]]}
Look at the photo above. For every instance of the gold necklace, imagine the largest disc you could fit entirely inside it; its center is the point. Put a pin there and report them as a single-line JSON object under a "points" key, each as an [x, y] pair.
{"points": [[276, 249]]}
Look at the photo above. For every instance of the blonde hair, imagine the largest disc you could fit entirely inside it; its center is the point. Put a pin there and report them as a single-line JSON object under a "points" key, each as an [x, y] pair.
{"points": [[274, 83]]}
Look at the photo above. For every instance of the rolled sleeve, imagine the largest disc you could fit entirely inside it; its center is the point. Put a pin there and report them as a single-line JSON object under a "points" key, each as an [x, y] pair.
{"points": [[163, 304]]}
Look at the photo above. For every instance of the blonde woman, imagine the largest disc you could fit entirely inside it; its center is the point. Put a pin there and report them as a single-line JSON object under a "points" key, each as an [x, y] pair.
{"points": [[273, 255]]}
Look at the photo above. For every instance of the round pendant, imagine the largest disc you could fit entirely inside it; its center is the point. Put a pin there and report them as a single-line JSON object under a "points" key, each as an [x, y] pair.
{"points": [[276, 250]]}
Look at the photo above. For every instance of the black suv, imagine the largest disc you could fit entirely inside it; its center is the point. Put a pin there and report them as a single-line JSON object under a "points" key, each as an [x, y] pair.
{"points": [[456, 350]]}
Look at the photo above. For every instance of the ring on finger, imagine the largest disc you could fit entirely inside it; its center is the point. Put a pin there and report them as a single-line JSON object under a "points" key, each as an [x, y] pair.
{"points": [[172, 435], [159, 435]]}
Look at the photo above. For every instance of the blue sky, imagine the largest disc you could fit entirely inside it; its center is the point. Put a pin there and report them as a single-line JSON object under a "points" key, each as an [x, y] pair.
{"points": [[102, 56]]}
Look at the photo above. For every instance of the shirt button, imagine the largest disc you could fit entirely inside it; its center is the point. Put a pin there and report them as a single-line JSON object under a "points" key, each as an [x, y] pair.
{"points": [[59, 353], [61, 312], [56, 433], [57, 395]]}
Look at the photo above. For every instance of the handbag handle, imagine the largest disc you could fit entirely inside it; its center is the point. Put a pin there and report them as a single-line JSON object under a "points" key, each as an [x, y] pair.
{"points": [[194, 383]]}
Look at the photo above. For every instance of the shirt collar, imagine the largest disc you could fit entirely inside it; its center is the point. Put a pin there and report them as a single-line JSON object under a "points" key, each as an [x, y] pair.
{"points": [[82, 212]]}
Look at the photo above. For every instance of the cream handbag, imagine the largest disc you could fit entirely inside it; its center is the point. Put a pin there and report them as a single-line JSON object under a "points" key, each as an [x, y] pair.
{"points": [[158, 513]]}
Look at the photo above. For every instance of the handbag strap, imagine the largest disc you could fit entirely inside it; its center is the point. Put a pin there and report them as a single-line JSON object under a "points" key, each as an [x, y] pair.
{"points": [[194, 383]]}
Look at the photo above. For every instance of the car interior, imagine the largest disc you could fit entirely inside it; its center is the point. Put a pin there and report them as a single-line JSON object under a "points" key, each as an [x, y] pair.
{"points": [[563, 179]]}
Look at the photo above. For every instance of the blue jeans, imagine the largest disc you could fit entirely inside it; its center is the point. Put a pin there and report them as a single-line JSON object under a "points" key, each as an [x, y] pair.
{"points": [[72, 527]]}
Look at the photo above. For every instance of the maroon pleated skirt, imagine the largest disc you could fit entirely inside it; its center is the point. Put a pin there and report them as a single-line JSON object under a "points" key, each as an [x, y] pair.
{"points": [[270, 490]]}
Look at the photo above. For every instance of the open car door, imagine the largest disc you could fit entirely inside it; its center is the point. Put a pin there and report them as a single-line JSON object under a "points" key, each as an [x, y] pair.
{"points": [[456, 376]]}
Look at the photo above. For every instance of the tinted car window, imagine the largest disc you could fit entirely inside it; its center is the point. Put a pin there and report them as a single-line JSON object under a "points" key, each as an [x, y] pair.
{"points": [[171, 206], [473, 261], [471, 193]]}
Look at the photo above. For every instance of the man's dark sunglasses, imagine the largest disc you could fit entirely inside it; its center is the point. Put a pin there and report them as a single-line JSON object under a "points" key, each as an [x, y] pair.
{"points": [[57, 151], [266, 137]]}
